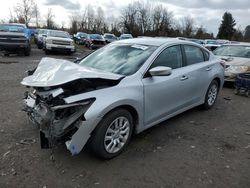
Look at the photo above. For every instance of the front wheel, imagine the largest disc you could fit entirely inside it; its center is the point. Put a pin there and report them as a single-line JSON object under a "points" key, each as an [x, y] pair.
{"points": [[27, 52], [211, 95], [112, 134]]}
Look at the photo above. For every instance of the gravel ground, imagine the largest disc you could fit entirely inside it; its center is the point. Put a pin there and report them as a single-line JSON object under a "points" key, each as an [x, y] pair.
{"points": [[195, 149]]}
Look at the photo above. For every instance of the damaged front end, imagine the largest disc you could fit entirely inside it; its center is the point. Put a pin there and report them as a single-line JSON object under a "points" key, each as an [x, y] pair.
{"points": [[52, 82], [57, 120]]}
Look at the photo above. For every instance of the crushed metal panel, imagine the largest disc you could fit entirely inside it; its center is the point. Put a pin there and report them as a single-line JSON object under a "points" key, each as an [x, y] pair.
{"points": [[53, 72], [80, 138]]}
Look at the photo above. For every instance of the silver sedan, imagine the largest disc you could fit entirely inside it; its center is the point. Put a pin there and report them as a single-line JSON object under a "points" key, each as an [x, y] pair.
{"points": [[123, 88]]}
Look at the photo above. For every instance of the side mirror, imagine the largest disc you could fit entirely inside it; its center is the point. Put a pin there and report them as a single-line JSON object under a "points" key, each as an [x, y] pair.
{"points": [[160, 71], [44, 35]]}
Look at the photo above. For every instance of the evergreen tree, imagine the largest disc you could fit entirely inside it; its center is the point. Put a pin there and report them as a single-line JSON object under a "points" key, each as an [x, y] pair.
{"points": [[247, 33], [226, 29]]}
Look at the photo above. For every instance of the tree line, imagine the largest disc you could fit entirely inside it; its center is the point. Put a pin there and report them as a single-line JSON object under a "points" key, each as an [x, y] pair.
{"points": [[138, 18]]}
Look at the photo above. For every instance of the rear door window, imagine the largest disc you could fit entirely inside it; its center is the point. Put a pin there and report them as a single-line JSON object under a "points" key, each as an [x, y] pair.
{"points": [[193, 54]]}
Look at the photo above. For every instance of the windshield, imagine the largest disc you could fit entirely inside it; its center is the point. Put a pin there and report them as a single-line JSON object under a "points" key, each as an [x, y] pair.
{"points": [[12, 28], [42, 32], [235, 51], [126, 37], [95, 36], [109, 37], [60, 34], [124, 59], [82, 35], [212, 42]]}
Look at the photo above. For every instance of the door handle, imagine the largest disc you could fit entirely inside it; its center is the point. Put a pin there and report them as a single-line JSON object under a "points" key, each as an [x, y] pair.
{"points": [[208, 69], [184, 78]]}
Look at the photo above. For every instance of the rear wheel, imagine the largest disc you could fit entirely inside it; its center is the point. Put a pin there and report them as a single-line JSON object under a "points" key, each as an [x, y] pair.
{"points": [[211, 95], [112, 134]]}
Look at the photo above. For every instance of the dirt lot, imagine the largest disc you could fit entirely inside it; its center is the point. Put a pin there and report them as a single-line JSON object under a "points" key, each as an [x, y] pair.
{"points": [[195, 149]]}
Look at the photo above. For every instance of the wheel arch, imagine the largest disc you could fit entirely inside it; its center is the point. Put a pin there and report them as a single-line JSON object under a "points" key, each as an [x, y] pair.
{"points": [[217, 79], [134, 113]]}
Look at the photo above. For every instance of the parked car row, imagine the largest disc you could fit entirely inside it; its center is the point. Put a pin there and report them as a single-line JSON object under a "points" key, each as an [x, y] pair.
{"points": [[93, 41], [54, 40], [210, 44]]}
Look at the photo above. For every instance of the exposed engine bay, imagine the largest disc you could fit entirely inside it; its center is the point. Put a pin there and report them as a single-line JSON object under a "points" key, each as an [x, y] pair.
{"points": [[57, 119]]}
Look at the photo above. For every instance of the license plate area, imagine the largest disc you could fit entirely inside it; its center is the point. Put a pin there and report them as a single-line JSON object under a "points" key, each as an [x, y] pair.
{"points": [[30, 101]]}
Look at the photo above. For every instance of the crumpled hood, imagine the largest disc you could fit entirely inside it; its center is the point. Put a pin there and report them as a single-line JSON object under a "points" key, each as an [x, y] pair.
{"points": [[53, 72], [235, 60]]}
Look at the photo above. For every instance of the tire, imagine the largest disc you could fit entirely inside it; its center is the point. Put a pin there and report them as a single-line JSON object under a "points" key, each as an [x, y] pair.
{"points": [[39, 46], [106, 129], [47, 52], [211, 95], [248, 93], [236, 91], [27, 52]]}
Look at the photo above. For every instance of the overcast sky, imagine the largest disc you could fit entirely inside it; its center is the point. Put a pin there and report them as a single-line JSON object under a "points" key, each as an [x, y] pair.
{"points": [[207, 13]]}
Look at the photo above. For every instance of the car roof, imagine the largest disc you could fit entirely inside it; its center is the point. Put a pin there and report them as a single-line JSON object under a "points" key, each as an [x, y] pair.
{"points": [[108, 34], [15, 24], [238, 44], [152, 41]]}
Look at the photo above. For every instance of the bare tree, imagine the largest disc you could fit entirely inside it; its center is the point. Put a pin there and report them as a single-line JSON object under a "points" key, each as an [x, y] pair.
{"points": [[162, 19], [99, 21], [25, 10], [187, 26], [144, 16], [82, 23], [90, 14], [49, 19], [36, 14], [128, 19], [74, 22]]}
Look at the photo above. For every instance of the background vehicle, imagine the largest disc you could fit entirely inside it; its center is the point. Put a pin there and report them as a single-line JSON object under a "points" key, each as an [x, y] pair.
{"points": [[125, 36], [58, 41], [80, 38], [36, 35], [95, 41], [13, 39], [109, 37], [211, 44], [125, 87], [198, 41], [237, 58], [41, 35]]}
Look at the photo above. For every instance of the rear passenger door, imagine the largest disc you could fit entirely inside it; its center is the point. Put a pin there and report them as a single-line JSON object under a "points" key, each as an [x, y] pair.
{"points": [[197, 68]]}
